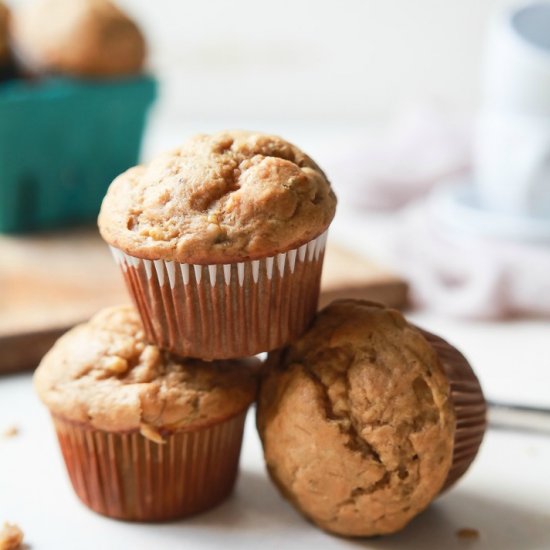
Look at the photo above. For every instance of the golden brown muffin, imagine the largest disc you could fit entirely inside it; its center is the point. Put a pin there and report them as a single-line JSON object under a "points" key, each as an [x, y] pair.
{"points": [[105, 375], [227, 197], [357, 421], [4, 41], [145, 436], [83, 38], [11, 537]]}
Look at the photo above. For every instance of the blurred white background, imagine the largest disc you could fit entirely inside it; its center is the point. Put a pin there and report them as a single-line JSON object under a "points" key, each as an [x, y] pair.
{"points": [[295, 65], [347, 61]]}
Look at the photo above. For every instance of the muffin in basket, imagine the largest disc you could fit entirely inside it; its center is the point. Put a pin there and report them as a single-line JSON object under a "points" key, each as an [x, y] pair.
{"points": [[82, 90], [7, 69], [4, 33], [82, 38]]}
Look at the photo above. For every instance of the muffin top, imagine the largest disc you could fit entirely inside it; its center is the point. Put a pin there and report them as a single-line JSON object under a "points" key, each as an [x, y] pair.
{"points": [[356, 420], [4, 26], [83, 38], [221, 198], [103, 373]]}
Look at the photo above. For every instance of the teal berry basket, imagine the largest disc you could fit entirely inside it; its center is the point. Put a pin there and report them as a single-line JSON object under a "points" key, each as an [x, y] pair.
{"points": [[62, 142]]}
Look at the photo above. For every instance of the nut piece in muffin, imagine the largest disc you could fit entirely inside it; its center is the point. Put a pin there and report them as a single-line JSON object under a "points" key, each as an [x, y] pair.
{"points": [[357, 421], [81, 38], [221, 243], [141, 415], [226, 197]]}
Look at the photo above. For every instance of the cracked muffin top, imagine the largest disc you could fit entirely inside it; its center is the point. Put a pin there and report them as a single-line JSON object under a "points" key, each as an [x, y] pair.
{"points": [[83, 38], [103, 373], [4, 25], [221, 198], [356, 420]]}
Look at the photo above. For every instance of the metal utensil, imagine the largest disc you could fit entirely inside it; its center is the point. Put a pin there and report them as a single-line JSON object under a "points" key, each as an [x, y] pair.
{"points": [[519, 417]]}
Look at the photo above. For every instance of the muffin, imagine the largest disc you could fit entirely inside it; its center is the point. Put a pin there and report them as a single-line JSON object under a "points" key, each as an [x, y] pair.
{"points": [[221, 243], [81, 38], [4, 42], [366, 419], [145, 436], [7, 69]]}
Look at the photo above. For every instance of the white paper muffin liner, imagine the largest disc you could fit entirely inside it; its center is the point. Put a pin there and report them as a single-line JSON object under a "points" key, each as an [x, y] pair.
{"points": [[222, 311]]}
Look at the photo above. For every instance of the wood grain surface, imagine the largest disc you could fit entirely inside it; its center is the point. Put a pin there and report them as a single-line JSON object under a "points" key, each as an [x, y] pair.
{"points": [[48, 283]]}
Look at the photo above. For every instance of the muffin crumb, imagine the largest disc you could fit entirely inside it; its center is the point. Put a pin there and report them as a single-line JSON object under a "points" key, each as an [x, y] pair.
{"points": [[11, 537], [467, 533], [11, 431]]}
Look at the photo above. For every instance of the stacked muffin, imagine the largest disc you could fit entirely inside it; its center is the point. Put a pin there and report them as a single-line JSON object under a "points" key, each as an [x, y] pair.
{"points": [[364, 418], [221, 244], [145, 435]]}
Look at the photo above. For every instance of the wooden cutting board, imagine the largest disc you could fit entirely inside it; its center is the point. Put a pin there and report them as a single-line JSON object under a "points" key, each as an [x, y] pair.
{"points": [[50, 282]]}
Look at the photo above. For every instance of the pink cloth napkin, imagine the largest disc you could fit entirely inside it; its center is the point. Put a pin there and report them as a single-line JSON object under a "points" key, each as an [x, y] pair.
{"points": [[469, 276], [454, 273], [419, 149]]}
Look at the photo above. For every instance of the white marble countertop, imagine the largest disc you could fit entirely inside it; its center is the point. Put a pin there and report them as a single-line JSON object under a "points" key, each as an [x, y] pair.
{"points": [[505, 497]]}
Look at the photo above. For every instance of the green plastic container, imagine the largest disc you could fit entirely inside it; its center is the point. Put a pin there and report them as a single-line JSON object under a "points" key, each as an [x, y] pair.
{"points": [[62, 142]]}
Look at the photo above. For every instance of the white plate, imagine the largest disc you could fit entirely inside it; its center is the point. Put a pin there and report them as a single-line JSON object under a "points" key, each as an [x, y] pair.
{"points": [[456, 206]]}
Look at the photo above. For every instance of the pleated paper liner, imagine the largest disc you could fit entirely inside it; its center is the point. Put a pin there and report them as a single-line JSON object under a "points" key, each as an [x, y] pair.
{"points": [[223, 311], [129, 477], [469, 406]]}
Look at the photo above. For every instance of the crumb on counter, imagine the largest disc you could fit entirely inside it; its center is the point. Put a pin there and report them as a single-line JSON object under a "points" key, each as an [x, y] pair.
{"points": [[11, 537], [11, 431], [467, 533]]}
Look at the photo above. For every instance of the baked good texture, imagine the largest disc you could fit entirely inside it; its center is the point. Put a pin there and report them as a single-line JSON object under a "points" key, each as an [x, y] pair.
{"points": [[145, 436], [356, 420], [221, 198], [103, 374], [11, 537], [82, 38], [4, 34]]}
